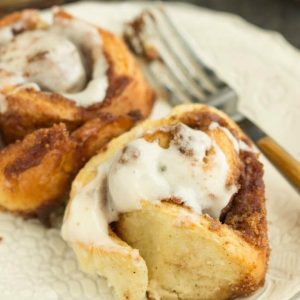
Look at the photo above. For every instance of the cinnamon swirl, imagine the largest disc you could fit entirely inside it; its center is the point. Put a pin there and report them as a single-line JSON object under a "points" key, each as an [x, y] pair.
{"points": [[66, 89], [173, 209], [68, 71]]}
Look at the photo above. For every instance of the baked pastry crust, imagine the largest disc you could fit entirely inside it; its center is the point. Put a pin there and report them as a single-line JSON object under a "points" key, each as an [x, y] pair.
{"points": [[40, 158], [28, 109], [36, 173], [186, 255]]}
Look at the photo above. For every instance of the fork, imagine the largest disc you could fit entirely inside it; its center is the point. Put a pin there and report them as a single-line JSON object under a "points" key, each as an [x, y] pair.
{"points": [[179, 74]]}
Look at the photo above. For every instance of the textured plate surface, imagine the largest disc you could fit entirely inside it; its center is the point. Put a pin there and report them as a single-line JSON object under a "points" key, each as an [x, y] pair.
{"points": [[264, 69]]}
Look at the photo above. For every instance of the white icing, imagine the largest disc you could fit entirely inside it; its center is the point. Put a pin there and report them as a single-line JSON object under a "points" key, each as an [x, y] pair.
{"points": [[159, 173], [86, 217], [237, 144], [6, 35], [58, 59], [146, 171], [45, 58], [96, 89], [87, 38]]}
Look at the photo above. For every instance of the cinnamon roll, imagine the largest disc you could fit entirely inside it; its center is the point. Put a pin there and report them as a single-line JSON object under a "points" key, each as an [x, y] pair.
{"points": [[68, 71], [66, 89], [173, 209]]}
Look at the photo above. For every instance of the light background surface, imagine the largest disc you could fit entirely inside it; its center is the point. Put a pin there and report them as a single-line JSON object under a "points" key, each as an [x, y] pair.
{"points": [[264, 69]]}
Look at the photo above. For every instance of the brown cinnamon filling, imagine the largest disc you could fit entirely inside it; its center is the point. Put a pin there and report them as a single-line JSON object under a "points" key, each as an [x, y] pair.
{"points": [[246, 211]]}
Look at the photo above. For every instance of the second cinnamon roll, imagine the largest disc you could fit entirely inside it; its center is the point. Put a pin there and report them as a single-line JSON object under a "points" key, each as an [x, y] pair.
{"points": [[68, 71], [66, 89]]}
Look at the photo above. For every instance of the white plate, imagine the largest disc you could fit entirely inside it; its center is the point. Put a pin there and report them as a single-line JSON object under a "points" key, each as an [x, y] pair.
{"points": [[264, 69]]}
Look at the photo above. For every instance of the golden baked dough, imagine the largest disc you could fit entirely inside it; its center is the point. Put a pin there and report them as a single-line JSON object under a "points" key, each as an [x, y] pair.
{"points": [[36, 173], [39, 158], [27, 109], [182, 254]]}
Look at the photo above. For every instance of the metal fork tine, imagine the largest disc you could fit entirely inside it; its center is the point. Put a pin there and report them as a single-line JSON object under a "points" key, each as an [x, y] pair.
{"points": [[197, 87], [185, 84], [170, 71], [175, 95], [191, 53], [179, 85], [175, 90]]}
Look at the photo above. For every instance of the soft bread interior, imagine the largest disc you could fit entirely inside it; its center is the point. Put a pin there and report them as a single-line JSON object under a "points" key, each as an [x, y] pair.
{"points": [[181, 255], [124, 269], [190, 257]]}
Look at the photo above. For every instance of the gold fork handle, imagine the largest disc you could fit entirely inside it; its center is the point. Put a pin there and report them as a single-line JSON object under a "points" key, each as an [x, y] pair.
{"points": [[288, 165]]}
